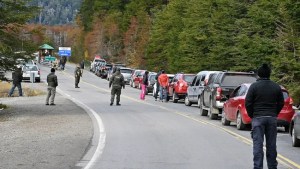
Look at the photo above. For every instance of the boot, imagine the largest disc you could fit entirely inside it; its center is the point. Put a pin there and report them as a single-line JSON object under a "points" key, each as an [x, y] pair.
{"points": [[118, 104], [111, 104]]}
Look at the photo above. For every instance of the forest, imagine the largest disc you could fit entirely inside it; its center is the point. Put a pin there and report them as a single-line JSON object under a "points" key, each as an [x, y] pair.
{"points": [[183, 36], [192, 35]]}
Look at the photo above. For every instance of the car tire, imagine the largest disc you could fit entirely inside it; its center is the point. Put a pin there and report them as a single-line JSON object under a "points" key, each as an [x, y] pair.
{"points": [[212, 116], [186, 101], [240, 125], [295, 140], [224, 121], [202, 111], [174, 96], [199, 102], [286, 128], [38, 80]]}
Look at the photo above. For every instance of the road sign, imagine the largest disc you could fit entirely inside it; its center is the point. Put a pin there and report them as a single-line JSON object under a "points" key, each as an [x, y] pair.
{"points": [[50, 58], [64, 51]]}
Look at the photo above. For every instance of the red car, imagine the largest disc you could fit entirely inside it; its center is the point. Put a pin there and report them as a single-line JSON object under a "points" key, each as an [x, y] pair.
{"points": [[178, 86], [136, 78], [234, 109]]}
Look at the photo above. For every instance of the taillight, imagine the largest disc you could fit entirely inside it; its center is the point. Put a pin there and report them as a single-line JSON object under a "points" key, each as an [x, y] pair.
{"points": [[39, 72], [219, 93], [291, 102]]}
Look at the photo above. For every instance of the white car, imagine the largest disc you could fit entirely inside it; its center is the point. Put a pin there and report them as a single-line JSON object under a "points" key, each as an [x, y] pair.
{"points": [[29, 70], [97, 61], [126, 72]]}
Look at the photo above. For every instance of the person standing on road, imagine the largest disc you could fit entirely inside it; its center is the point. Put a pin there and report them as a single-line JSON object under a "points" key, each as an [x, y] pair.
{"points": [[52, 84], [144, 85], [82, 66], [17, 78], [157, 84], [77, 74], [264, 101], [163, 80], [116, 82]]}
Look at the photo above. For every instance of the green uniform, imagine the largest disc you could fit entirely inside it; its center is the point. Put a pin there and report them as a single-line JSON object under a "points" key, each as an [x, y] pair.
{"points": [[116, 82], [77, 74]]}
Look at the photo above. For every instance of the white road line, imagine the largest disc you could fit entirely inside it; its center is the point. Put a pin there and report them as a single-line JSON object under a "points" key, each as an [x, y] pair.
{"points": [[99, 136]]}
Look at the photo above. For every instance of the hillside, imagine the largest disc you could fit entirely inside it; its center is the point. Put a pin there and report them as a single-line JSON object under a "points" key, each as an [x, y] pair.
{"points": [[56, 12]]}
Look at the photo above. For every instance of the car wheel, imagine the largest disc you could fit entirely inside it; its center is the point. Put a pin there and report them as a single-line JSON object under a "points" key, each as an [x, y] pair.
{"points": [[38, 80], [199, 102], [240, 125], [202, 111], [286, 128], [224, 121], [186, 101], [174, 97], [212, 116], [295, 140]]}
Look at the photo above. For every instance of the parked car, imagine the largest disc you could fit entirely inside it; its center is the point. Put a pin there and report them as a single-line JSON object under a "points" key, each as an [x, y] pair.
{"points": [[234, 109], [171, 76], [97, 62], [295, 129], [195, 89], [178, 86], [136, 77], [31, 69], [126, 72], [218, 89], [151, 82]]}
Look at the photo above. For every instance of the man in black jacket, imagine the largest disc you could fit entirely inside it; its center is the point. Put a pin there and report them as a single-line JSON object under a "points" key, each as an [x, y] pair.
{"points": [[264, 101], [17, 77]]}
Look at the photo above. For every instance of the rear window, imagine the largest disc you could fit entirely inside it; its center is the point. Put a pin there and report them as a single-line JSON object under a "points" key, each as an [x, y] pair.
{"points": [[33, 68], [126, 71], [237, 79], [188, 78], [171, 78], [285, 94]]}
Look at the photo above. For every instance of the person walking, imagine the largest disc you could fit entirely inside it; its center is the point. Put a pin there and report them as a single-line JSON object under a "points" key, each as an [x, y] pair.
{"points": [[77, 74], [52, 84], [116, 82], [163, 80], [157, 84], [144, 85], [264, 101], [17, 78]]}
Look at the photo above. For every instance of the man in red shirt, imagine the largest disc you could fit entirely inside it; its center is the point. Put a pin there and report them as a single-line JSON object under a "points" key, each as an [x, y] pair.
{"points": [[163, 81]]}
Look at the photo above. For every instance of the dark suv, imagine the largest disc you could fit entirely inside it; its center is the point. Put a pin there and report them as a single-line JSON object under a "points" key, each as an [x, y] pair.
{"points": [[218, 89]]}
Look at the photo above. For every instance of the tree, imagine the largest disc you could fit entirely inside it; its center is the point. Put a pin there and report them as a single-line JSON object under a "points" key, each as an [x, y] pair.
{"points": [[13, 14]]}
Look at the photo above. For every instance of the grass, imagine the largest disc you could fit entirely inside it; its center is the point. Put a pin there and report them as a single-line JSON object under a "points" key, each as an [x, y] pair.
{"points": [[5, 87]]}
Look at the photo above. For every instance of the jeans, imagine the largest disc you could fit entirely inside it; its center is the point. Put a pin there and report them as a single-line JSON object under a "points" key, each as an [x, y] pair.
{"points": [[264, 126], [50, 95], [162, 93], [13, 88]]}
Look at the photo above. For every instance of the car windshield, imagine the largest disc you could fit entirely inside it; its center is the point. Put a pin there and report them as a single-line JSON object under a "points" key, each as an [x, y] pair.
{"points": [[171, 78], [188, 78], [126, 71], [30, 68], [237, 79], [152, 78]]}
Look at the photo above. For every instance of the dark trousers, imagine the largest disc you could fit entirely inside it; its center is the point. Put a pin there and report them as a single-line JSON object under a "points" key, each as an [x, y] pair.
{"points": [[77, 80], [115, 90], [264, 127], [157, 90], [11, 91]]}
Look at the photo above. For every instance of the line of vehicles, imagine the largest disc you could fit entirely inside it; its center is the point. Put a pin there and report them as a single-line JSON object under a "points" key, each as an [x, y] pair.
{"points": [[217, 94]]}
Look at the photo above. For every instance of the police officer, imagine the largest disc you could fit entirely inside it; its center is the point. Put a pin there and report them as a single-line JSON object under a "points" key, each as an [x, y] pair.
{"points": [[17, 79], [77, 74], [116, 82]]}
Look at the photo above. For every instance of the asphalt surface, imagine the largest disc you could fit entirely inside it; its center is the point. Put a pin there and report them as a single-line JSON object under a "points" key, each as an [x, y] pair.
{"points": [[153, 135], [36, 136]]}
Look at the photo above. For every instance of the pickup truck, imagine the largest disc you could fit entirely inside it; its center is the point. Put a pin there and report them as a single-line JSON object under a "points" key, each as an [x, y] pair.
{"points": [[218, 89]]}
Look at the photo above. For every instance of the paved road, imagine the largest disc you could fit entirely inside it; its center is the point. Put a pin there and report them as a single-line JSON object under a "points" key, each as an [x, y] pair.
{"points": [[154, 135]]}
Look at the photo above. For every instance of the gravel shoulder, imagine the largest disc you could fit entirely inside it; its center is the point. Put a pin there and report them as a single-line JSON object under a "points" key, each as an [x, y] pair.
{"points": [[35, 136]]}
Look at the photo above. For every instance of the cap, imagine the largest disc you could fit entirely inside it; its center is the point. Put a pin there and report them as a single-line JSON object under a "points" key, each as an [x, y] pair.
{"points": [[264, 71]]}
